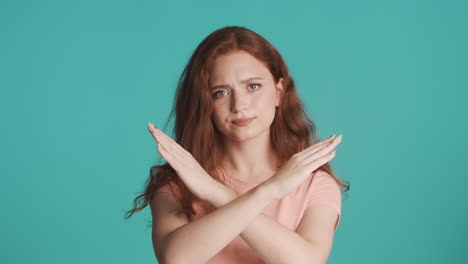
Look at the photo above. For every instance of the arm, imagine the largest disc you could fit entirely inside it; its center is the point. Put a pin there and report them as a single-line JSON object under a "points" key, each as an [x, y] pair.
{"points": [[234, 215], [287, 245], [200, 240]]}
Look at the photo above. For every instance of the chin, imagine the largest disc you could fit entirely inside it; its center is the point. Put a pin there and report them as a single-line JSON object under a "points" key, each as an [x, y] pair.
{"points": [[240, 136]]}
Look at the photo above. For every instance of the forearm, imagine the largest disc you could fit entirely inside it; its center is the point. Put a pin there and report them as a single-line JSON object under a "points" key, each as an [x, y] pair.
{"points": [[200, 240], [274, 242]]}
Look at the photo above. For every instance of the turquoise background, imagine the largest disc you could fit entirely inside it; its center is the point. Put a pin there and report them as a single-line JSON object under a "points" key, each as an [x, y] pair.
{"points": [[81, 79]]}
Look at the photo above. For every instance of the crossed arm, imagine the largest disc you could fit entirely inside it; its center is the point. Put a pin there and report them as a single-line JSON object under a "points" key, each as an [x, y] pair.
{"points": [[242, 215], [275, 243]]}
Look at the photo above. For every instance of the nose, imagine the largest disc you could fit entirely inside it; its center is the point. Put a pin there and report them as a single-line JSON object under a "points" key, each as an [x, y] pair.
{"points": [[239, 102]]}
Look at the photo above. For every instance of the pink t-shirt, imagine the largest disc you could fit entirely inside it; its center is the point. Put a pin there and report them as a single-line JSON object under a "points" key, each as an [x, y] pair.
{"points": [[319, 190]]}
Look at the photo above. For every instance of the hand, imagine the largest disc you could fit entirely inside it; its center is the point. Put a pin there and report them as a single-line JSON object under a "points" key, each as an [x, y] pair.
{"points": [[197, 180], [299, 167]]}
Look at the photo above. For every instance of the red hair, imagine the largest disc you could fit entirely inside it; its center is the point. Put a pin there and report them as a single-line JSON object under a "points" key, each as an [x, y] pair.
{"points": [[291, 130]]}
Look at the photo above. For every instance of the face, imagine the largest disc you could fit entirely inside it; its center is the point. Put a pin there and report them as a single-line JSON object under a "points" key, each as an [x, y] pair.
{"points": [[242, 87]]}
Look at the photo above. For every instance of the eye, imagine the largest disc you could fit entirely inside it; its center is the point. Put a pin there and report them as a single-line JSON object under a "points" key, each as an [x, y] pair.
{"points": [[257, 84], [215, 94]]}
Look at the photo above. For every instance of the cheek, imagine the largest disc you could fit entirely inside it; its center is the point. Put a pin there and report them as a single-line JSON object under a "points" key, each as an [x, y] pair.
{"points": [[266, 108], [265, 101], [218, 115]]}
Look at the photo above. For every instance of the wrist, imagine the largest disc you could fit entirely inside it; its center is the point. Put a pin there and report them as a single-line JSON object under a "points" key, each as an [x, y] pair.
{"points": [[222, 196], [268, 190]]}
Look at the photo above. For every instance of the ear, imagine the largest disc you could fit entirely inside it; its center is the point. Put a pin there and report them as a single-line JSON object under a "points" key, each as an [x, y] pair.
{"points": [[279, 91]]}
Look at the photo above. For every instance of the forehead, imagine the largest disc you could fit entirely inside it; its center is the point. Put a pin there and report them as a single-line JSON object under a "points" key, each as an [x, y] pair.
{"points": [[237, 65]]}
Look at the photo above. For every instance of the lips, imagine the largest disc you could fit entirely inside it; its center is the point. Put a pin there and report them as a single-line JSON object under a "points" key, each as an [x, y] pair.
{"points": [[243, 121]]}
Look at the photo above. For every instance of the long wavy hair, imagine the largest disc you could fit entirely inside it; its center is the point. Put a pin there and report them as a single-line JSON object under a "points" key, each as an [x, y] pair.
{"points": [[291, 130]]}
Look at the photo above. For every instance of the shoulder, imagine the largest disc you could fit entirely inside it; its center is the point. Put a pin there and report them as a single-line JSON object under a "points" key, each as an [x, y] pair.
{"points": [[321, 178], [324, 191], [324, 199], [172, 188], [167, 216], [321, 174]]}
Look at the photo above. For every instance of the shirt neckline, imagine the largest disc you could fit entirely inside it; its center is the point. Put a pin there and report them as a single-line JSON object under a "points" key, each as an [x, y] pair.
{"points": [[232, 178]]}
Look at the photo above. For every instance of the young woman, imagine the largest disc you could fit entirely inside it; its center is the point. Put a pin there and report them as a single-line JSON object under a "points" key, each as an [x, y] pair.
{"points": [[247, 179]]}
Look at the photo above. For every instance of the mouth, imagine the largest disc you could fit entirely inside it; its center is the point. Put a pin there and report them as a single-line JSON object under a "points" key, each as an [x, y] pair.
{"points": [[243, 121]]}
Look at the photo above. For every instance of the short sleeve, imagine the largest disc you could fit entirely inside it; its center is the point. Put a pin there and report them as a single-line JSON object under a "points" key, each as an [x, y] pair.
{"points": [[171, 188], [325, 192]]}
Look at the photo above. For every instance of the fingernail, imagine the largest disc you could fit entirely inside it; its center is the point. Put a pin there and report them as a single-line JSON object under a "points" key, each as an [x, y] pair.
{"points": [[153, 127], [332, 136]]}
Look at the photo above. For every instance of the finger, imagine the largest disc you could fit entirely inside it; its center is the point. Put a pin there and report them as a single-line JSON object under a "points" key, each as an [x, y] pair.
{"points": [[317, 145], [320, 161], [315, 153], [178, 154], [153, 131], [174, 160], [164, 138], [314, 146], [167, 156], [159, 136], [170, 143], [165, 146]]}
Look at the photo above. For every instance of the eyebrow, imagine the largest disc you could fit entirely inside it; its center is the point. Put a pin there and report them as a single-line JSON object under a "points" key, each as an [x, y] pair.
{"points": [[243, 81]]}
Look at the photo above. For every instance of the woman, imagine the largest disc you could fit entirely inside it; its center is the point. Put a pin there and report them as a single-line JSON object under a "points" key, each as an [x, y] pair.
{"points": [[246, 178]]}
